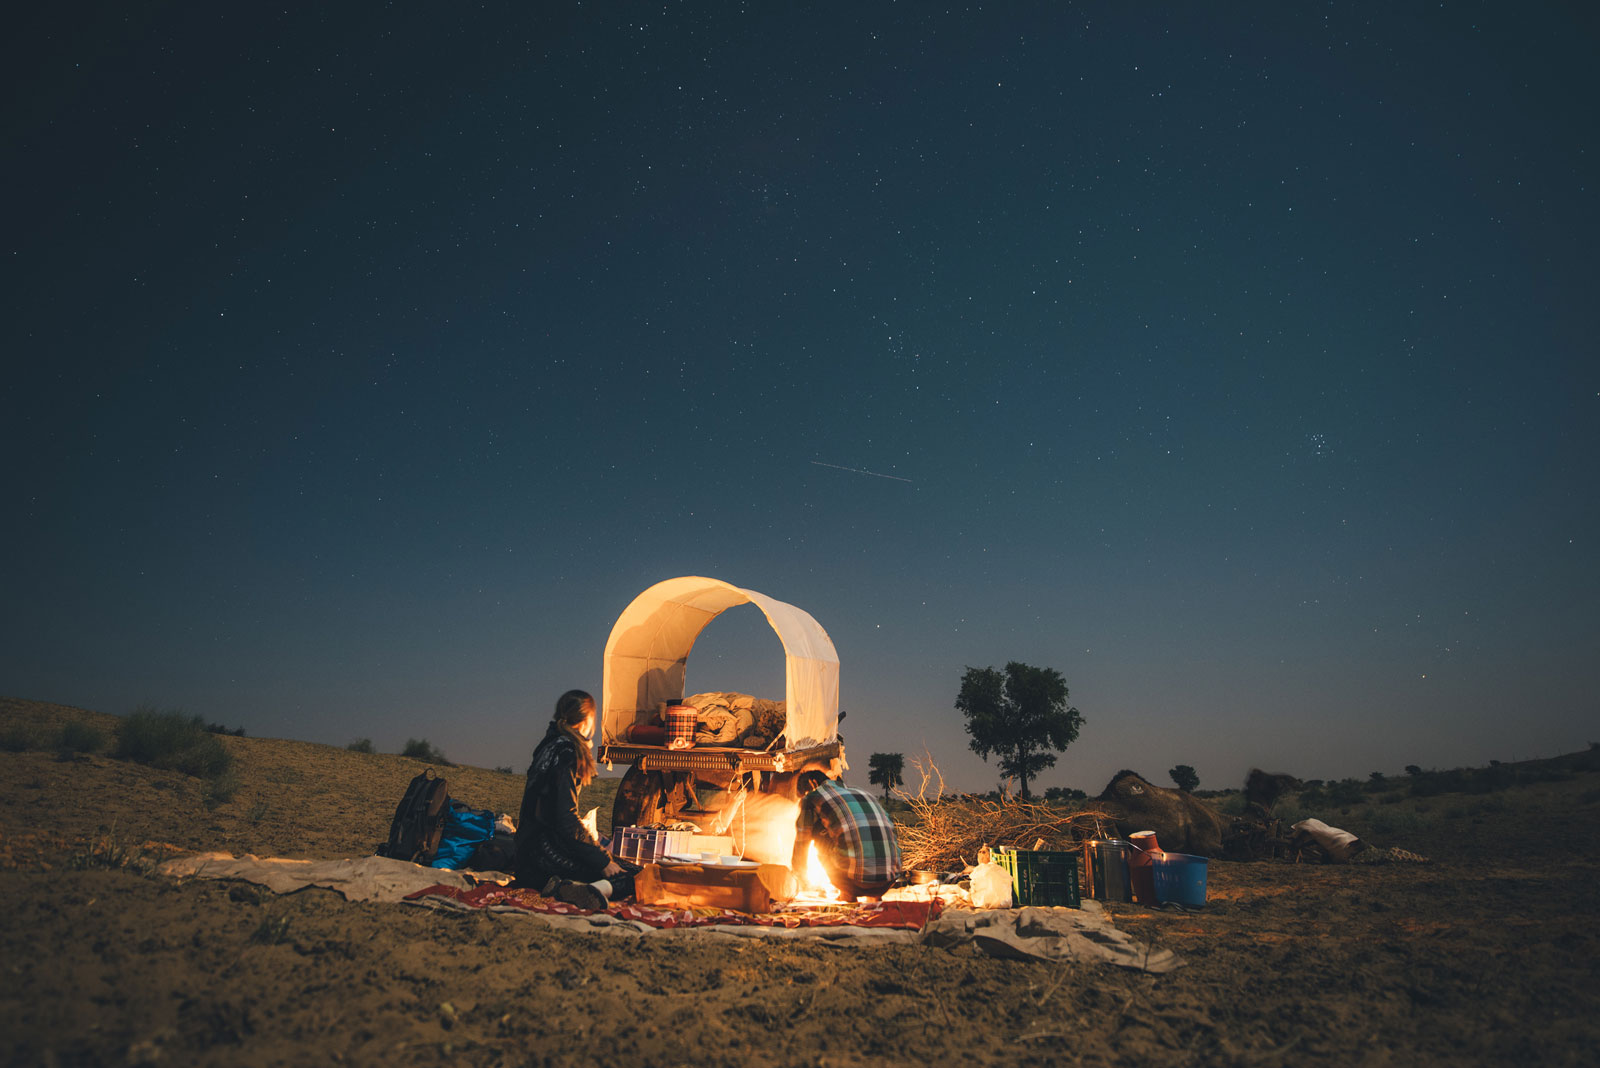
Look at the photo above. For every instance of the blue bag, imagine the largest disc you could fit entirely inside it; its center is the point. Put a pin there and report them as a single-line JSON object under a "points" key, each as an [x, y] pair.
{"points": [[464, 830]]}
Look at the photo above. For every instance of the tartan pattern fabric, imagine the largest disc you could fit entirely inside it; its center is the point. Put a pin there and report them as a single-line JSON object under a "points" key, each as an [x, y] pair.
{"points": [[850, 825]]}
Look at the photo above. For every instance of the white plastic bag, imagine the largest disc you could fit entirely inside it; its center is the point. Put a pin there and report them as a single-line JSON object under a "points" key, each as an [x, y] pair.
{"points": [[991, 886]]}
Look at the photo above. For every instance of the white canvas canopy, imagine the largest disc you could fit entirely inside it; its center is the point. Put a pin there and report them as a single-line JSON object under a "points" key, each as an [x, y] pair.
{"points": [[647, 657]]}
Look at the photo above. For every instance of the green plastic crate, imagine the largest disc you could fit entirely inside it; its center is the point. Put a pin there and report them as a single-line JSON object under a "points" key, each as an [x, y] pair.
{"points": [[1040, 877]]}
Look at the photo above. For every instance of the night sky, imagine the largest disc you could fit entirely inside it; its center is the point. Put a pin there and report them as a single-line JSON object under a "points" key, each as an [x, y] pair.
{"points": [[1237, 361]]}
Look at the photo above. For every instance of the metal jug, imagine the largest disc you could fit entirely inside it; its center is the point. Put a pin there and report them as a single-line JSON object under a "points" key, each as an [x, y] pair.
{"points": [[1105, 863]]}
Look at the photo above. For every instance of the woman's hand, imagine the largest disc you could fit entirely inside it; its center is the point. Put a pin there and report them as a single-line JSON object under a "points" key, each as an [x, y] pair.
{"points": [[612, 869]]}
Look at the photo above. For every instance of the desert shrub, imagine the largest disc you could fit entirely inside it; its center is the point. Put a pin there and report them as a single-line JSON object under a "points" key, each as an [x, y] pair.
{"points": [[172, 741], [111, 851], [220, 788], [1346, 792], [1065, 793], [19, 739], [217, 728], [80, 737], [360, 745], [1232, 804], [1489, 805], [1391, 798], [504, 769], [1495, 777], [271, 931], [899, 810], [1589, 797], [1290, 813], [1433, 783], [421, 749], [1389, 822]]}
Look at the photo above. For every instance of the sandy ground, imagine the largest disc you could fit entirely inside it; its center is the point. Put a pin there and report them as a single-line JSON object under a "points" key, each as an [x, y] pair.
{"points": [[1486, 955]]}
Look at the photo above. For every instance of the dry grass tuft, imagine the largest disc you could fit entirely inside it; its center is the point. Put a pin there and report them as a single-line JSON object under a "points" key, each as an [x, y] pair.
{"points": [[948, 832]]}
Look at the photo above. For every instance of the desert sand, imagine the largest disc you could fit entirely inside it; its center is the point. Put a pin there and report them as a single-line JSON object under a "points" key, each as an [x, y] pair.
{"points": [[1488, 954]]}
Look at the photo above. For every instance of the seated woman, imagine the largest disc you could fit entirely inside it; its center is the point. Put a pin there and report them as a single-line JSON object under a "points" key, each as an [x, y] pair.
{"points": [[556, 854]]}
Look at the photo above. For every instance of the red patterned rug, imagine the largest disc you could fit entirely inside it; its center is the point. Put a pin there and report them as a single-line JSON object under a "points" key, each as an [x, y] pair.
{"points": [[903, 915]]}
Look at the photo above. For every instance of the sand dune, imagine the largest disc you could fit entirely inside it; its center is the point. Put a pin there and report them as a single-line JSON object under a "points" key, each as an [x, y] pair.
{"points": [[1487, 955]]}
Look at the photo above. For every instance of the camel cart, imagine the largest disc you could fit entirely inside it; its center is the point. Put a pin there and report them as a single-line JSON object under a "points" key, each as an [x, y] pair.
{"points": [[646, 664]]}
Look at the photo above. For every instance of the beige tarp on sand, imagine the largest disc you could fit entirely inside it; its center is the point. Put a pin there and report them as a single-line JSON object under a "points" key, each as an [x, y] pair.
{"points": [[1019, 934], [1047, 934], [358, 879], [647, 657]]}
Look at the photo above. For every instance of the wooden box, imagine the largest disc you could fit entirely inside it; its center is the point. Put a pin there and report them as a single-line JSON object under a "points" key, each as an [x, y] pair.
{"points": [[743, 889]]}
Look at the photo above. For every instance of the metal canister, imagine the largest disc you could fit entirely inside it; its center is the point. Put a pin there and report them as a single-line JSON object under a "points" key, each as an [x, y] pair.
{"points": [[1105, 863]]}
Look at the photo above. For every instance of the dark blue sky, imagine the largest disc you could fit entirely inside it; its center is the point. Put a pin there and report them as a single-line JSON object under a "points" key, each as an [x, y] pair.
{"points": [[1238, 363]]}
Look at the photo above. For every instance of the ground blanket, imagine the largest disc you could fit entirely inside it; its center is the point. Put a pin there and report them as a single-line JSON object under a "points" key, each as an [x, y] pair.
{"points": [[356, 879], [1022, 934], [892, 915]]}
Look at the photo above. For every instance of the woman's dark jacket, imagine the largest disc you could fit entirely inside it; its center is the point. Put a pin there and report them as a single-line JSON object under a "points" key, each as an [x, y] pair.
{"points": [[551, 839]]}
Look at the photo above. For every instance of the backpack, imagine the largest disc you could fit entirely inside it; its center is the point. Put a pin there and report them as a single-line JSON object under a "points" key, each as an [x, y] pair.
{"points": [[418, 821]]}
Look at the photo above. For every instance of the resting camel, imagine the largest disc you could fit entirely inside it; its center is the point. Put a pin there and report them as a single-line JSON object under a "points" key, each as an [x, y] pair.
{"points": [[1182, 823]]}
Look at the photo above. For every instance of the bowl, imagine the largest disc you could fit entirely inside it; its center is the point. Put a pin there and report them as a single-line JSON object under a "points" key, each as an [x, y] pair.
{"points": [[729, 860]]}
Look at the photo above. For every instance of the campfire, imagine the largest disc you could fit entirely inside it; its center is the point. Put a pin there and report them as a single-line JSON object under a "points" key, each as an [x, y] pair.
{"points": [[815, 889], [762, 826]]}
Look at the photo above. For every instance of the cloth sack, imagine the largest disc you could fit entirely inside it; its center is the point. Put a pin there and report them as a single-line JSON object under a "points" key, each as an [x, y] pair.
{"points": [[991, 886]]}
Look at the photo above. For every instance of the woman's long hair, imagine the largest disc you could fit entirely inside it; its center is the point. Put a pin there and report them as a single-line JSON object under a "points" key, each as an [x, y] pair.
{"points": [[571, 709]]}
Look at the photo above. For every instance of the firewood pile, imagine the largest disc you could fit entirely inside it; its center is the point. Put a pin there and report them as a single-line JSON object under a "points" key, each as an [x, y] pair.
{"points": [[949, 831]]}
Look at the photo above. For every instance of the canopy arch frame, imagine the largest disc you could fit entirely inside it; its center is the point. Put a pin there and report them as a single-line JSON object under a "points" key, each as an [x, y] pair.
{"points": [[646, 663]]}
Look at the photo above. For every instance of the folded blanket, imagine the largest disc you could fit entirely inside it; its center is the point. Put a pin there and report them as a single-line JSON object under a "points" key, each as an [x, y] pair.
{"points": [[721, 725]]}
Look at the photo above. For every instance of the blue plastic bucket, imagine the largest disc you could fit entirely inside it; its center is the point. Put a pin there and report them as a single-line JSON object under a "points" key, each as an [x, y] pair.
{"points": [[1180, 879]]}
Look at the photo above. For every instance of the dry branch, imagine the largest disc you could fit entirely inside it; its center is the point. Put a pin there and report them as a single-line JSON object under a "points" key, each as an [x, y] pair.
{"points": [[948, 832]]}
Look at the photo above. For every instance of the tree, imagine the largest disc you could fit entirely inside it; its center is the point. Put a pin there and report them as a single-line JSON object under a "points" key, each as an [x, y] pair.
{"points": [[1020, 715], [886, 771], [423, 750], [1185, 777]]}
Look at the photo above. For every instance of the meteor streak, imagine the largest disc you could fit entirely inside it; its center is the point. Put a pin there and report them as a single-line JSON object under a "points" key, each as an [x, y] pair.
{"points": [[860, 471]]}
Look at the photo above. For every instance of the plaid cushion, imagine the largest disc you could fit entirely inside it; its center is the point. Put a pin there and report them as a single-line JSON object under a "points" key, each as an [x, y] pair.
{"points": [[854, 835]]}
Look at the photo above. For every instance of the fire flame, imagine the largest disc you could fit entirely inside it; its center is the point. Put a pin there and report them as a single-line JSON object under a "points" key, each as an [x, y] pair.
{"points": [[814, 882], [762, 827]]}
